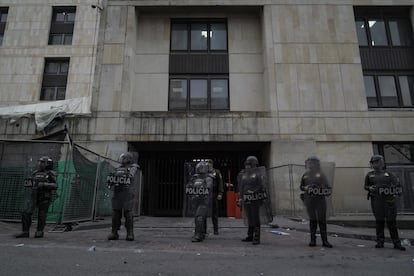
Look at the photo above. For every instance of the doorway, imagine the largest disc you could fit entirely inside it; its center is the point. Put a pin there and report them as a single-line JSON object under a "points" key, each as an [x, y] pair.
{"points": [[162, 165]]}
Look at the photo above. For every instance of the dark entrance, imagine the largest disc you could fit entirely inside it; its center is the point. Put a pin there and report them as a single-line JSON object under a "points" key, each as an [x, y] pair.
{"points": [[162, 165]]}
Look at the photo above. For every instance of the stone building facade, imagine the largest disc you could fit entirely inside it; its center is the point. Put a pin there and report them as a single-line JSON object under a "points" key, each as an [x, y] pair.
{"points": [[277, 78]]}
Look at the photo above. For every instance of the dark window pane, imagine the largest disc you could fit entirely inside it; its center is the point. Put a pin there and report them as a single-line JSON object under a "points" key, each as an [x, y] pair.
{"points": [[198, 36], [3, 17], [370, 91], [61, 91], [48, 94], [376, 148], [198, 94], [178, 94], [64, 68], [60, 17], [407, 90], [378, 34], [51, 68], [399, 153], [401, 33], [179, 37], [388, 91], [55, 39], [70, 16], [67, 39], [219, 94], [361, 32], [218, 36]]}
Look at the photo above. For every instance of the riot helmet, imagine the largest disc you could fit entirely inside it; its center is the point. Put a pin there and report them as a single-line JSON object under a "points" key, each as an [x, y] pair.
{"points": [[312, 163], [45, 163], [125, 158], [377, 162], [251, 162], [201, 168]]}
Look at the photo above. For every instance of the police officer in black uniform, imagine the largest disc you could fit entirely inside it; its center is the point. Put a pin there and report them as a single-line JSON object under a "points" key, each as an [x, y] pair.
{"points": [[218, 191], [383, 188], [198, 195], [122, 181], [42, 184], [316, 187], [251, 184]]}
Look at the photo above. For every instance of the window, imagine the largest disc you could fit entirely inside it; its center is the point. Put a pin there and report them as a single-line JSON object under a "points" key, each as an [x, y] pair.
{"points": [[196, 35], [54, 79], [386, 29], [199, 93], [386, 90], [61, 29], [3, 19], [395, 152], [198, 65]]}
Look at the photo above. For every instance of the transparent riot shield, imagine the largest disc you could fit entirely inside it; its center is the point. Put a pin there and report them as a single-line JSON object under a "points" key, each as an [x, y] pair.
{"points": [[320, 192], [255, 190], [198, 195]]}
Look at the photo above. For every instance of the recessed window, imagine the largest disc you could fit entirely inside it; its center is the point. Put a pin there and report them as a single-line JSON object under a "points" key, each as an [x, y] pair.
{"points": [[61, 28], [3, 19], [54, 79], [395, 90], [383, 27], [196, 93], [178, 94], [401, 32], [199, 35]]}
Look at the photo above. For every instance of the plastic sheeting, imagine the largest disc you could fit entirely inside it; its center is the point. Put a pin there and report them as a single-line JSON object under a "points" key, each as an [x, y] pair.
{"points": [[45, 112]]}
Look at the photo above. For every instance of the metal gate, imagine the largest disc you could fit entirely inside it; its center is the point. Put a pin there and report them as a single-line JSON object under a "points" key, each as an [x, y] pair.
{"points": [[163, 177]]}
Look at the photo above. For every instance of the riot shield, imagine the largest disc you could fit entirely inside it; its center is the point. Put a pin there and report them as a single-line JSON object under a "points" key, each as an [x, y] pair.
{"points": [[123, 182], [255, 189], [327, 171], [198, 196]]}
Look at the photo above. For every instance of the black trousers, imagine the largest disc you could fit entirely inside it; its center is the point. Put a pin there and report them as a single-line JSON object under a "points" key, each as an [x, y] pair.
{"points": [[316, 208], [42, 202], [385, 212], [215, 212], [252, 211]]}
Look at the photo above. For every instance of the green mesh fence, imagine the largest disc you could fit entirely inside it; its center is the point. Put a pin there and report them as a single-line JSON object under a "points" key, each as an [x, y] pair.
{"points": [[82, 192]]}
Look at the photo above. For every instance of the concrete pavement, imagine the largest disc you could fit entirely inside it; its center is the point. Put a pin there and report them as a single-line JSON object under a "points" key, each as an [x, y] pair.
{"points": [[163, 247]]}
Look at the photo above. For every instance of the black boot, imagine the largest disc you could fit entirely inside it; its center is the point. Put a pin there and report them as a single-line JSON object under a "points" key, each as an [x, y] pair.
{"points": [[398, 246], [379, 245], [256, 235], [129, 225], [324, 235], [116, 223], [312, 225], [199, 229], [22, 235], [26, 222], [249, 237]]}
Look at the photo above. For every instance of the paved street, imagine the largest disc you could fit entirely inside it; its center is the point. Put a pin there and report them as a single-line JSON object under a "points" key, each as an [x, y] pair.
{"points": [[163, 247]]}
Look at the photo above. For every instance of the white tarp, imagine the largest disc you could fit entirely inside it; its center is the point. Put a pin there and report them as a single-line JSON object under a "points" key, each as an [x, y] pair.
{"points": [[45, 112]]}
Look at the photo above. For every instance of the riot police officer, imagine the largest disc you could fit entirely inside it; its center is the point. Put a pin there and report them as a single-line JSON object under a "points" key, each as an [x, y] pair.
{"points": [[218, 191], [383, 188], [122, 181], [42, 184], [198, 196], [253, 196], [316, 187]]}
